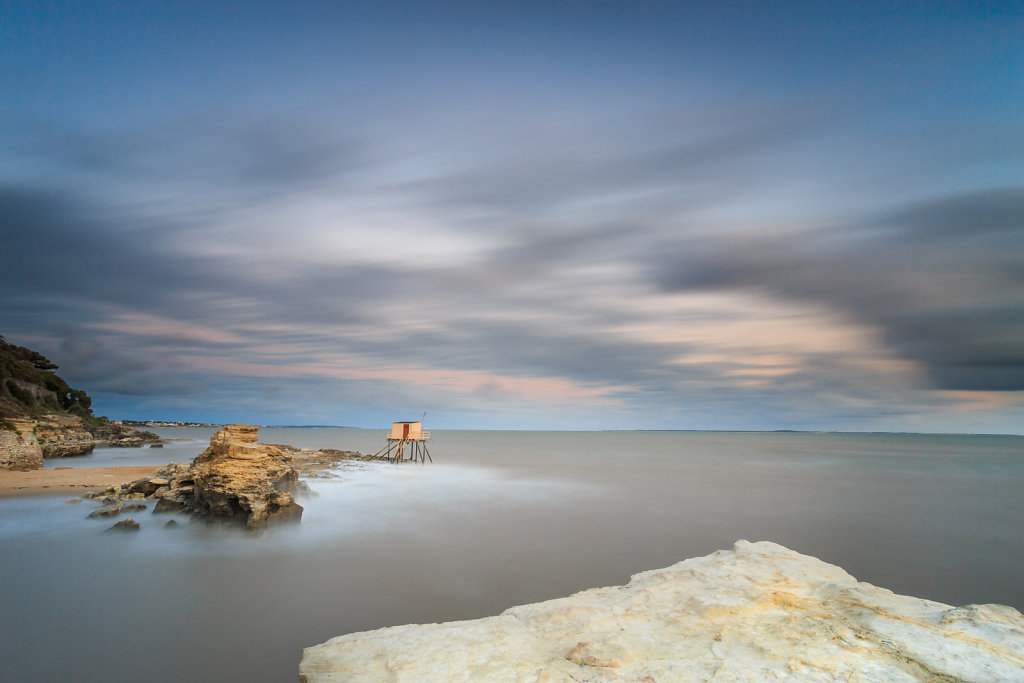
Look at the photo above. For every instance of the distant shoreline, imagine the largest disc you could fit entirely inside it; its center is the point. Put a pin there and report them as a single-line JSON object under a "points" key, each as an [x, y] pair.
{"points": [[211, 425], [597, 431]]}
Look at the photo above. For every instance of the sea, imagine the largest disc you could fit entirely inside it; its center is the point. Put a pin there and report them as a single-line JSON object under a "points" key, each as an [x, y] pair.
{"points": [[500, 518]]}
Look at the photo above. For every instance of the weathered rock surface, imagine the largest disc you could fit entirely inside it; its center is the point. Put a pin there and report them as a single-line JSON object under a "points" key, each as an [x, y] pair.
{"points": [[757, 612], [61, 436], [114, 435], [316, 463], [125, 525], [237, 478], [19, 448], [64, 440], [105, 511]]}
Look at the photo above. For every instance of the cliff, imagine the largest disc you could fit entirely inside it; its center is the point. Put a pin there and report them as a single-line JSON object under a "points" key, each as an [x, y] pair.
{"points": [[42, 417], [19, 448], [756, 612]]}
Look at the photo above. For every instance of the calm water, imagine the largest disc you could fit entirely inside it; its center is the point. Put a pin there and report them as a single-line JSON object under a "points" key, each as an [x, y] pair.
{"points": [[501, 518]]}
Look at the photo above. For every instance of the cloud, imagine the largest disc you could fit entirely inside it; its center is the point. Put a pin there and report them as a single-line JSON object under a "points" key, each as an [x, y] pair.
{"points": [[609, 265], [941, 279], [105, 370]]}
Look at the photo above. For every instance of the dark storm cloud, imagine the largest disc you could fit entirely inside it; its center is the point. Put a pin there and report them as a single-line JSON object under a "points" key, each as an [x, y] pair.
{"points": [[66, 249], [63, 247], [86, 361], [941, 279]]}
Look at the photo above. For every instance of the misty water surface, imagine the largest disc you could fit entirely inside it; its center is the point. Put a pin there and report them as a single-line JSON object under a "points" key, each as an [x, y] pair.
{"points": [[501, 518]]}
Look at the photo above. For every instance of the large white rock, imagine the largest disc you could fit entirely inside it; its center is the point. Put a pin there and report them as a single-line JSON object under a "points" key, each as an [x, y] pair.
{"points": [[758, 612]]}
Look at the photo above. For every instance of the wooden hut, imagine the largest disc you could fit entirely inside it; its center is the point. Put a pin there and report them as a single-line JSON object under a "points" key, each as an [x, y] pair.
{"points": [[406, 439], [402, 431]]}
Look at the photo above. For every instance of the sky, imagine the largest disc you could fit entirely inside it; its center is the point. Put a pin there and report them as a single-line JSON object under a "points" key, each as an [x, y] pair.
{"points": [[521, 215]]}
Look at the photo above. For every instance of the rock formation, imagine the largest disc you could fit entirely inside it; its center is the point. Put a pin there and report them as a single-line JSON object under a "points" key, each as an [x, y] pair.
{"points": [[757, 612], [28, 441], [125, 525], [235, 479], [238, 478], [317, 464], [19, 448], [63, 437]]}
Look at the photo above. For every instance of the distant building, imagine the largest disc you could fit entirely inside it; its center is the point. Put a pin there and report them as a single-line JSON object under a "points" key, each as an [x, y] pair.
{"points": [[408, 431], [404, 434]]}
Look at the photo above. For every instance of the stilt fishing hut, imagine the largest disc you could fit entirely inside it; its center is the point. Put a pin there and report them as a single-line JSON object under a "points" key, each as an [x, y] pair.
{"points": [[406, 441]]}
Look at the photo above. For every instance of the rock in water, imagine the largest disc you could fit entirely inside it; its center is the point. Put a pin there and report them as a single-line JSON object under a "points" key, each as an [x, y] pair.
{"points": [[756, 612], [237, 478], [106, 511], [125, 525]]}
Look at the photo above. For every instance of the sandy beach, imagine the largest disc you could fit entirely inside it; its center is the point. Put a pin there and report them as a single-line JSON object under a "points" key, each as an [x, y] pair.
{"points": [[67, 479]]}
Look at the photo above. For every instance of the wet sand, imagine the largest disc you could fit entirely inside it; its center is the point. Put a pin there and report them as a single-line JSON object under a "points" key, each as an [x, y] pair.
{"points": [[68, 479]]}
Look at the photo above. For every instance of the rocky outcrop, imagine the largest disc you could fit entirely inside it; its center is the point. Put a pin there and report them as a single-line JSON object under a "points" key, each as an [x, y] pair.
{"points": [[64, 439], [757, 612], [61, 436], [114, 435], [237, 478], [315, 464], [19, 448], [125, 525]]}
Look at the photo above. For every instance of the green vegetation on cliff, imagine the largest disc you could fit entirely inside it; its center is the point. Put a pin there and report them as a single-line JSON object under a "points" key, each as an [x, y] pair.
{"points": [[29, 387]]}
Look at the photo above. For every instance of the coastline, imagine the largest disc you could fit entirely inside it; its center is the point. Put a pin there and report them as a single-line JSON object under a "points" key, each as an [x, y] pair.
{"points": [[756, 612], [68, 479], [557, 513]]}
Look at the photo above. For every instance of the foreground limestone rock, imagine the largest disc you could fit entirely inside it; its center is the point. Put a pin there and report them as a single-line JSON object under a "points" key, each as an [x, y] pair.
{"points": [[758, 612]]}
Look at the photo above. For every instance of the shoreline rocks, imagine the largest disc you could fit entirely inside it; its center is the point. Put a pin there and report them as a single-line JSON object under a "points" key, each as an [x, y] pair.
{"points": [[31, 441], [757, 612], [19, 449], [125, 525], [236, 479]]}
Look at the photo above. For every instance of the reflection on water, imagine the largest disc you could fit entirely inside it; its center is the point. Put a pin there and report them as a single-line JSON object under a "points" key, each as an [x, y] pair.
{"points": [[503, 518]]}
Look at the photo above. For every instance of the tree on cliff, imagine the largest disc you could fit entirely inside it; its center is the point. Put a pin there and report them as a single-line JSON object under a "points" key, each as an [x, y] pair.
{"points": [[20, 364]]}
